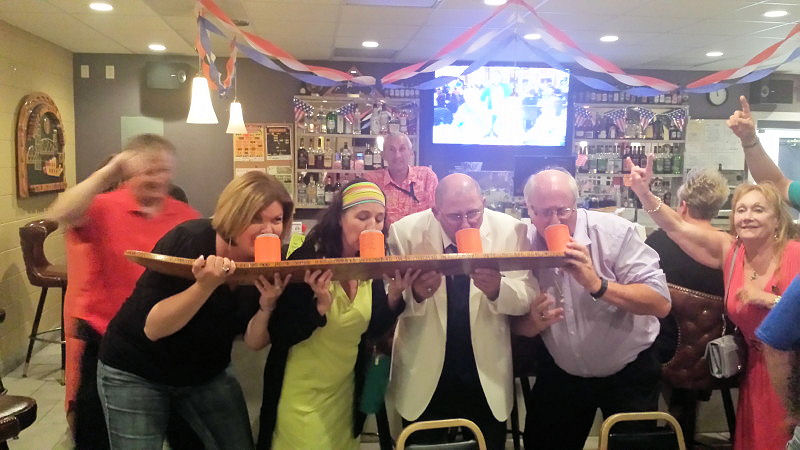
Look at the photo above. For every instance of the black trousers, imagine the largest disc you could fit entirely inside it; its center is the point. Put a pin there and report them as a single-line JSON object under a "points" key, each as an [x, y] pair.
{"points": [[451, 401], [562, 407], [90, 421]]}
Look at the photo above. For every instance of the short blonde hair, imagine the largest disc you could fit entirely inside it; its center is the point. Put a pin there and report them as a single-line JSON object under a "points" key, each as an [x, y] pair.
{"points": [[786, 228], [704, 191], [245, 197], [150, 142]]}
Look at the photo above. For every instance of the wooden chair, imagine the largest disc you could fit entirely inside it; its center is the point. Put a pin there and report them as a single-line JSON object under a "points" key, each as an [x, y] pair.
{"points": [[45, 275], [478, 443]]}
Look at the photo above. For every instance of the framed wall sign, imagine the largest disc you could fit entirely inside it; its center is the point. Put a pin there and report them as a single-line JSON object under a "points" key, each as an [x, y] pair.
{"points": [[40, 147]]}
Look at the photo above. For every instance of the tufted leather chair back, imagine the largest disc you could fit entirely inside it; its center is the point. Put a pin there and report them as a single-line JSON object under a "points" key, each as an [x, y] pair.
{"points": [[699, 319], [40, 272]]}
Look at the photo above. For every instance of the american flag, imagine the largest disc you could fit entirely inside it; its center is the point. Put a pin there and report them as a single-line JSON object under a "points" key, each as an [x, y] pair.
{"points": [[582, 117], [366, 118], [618, 117], [581, 159], [348, 111], [677, 117], [646, 116], [301, 109]]}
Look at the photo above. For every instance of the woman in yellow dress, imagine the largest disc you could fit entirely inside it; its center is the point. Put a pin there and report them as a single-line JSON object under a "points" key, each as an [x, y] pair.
{"points": [[319, 331]]}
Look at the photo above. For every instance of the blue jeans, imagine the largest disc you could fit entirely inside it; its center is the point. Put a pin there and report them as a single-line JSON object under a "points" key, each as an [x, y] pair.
{"points": [[794, 442], [137, 410]]}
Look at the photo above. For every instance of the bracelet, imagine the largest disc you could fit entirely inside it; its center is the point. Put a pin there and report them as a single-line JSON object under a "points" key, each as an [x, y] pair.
{"points": [[655, 210], [756, 142], [601, 291], [775, 301]]}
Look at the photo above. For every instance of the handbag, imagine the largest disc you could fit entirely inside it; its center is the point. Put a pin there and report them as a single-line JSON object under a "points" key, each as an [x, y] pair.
{"points": [[726, 355], [376, 380]]}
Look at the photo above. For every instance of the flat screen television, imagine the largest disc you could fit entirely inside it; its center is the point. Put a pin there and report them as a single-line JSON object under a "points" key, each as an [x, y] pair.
{"points": [[501, 106]]}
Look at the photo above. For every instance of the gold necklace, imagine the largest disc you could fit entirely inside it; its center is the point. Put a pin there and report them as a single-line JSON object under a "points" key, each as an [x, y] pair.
{"points": [[754, 275]]}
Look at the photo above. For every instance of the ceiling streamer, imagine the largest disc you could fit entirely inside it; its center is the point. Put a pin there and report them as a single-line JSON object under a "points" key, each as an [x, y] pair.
{"points": [[479, 44]]}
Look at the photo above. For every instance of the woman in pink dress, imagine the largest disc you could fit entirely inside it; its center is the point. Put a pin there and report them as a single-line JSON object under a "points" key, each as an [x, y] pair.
{"points": [[767, 259]]}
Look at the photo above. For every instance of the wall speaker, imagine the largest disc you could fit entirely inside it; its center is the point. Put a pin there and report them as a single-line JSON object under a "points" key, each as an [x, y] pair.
{"points": [[164, 75], [772, 91]]}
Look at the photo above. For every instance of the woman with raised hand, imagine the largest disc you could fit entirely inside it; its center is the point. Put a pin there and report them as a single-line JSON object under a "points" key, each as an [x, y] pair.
{"points": [[758, 260], [168, 349], [320, 330]]}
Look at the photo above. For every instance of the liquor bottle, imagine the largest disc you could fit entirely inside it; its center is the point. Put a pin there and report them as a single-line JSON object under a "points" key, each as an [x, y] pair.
{"points": [[328, 189], [302, 156], [358, 163], [315, 158], [347, 157], [340, 120], [385, 119], [320, 194], [302, 199], [310, 122], [600, 128], [602, 160], [337, 160], [403, 121], [311, 192], [338, 186], [667, 157], [368, 161], [377, 158], [658, 160], [375, 120], [592, 161], [348, 126], [322, 122], [582, 151], [579, 132], [327, 157], [677, 161], [330, 121], [626, 153], [612, 130], [356, 121]]}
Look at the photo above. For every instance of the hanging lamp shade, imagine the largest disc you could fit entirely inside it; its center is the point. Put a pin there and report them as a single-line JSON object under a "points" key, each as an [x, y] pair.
{"points": [[201, 110], [236, 120]]}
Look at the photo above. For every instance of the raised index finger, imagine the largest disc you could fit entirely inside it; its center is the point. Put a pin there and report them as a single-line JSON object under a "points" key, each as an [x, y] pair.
{"points": [[745, 105]]}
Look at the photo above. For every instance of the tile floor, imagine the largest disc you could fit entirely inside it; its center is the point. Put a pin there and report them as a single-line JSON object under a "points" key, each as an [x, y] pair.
{"points": [[50, 429]]}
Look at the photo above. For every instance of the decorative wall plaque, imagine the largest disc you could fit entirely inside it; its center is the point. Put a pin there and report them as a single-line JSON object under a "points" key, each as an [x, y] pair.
{"points": [[40, 146]]}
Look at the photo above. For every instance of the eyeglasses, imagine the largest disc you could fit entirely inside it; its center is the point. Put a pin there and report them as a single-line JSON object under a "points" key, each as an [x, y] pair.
{"points": [[561, 213], [469, 215]]}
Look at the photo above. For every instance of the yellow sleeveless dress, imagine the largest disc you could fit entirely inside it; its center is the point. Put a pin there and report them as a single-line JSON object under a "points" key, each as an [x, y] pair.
{"points": [[315, 410]]}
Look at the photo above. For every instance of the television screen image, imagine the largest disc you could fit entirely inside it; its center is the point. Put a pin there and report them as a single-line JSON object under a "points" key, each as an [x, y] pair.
{"points": [[501, 106]]}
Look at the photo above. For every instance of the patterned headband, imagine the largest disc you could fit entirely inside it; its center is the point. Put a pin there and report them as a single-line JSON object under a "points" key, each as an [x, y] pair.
{"points": [[362, 192]]}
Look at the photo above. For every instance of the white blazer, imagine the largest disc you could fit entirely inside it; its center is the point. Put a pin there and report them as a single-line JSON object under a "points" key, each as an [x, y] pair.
{"points": [[419, 342]]}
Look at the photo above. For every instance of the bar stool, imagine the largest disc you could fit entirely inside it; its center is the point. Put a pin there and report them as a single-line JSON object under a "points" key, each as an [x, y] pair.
{"points": [[45, 275], [16, 412]]}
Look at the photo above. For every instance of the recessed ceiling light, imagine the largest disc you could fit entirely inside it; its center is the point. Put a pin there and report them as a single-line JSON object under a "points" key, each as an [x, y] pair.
{"points": [[156, 47], [101, 6], [776, 13], [714, 54], [609, 38], [532, 36], [369, 44], [494, 2]]}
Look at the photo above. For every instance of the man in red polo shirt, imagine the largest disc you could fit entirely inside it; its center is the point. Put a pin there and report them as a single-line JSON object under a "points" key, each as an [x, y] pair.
{"points": [[408, 188], [101, 227]]}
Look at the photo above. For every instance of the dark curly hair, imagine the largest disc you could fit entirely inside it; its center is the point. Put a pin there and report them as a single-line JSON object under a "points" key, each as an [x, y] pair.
{"points": [[326, 236]]}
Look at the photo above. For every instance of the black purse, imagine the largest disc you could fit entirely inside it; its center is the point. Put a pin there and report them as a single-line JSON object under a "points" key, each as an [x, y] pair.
{"points": [[727, 354]]}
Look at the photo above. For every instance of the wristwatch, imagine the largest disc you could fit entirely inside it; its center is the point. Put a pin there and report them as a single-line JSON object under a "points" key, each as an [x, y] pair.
{"points": [[603, 286]]}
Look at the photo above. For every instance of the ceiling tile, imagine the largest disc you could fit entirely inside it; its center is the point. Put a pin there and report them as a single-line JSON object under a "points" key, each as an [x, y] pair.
{"points": [[384, 14], [350, 42], [273, 12], [135, 7], [378, 32]]}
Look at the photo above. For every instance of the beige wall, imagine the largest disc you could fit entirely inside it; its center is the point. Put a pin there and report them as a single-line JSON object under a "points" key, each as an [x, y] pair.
{"points": [[27, 64]]}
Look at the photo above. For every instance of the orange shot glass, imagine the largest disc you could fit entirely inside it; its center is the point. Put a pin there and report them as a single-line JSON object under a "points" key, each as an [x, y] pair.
{"points": [[370, 244], [557, 237], [268, 248], [468, 240]]}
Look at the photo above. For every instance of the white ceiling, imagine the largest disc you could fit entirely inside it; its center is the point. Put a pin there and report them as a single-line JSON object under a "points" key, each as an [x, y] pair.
{"points": [[665, 34]]}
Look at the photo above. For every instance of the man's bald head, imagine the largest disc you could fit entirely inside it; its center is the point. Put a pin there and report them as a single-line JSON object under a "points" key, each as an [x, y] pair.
{"points": [[397, 139], [456, 185], [459, 204], [551, 180]]}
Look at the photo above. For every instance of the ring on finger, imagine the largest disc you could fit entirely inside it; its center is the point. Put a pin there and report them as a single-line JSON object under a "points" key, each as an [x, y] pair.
{"points": [[226, 268], [543, 315]]}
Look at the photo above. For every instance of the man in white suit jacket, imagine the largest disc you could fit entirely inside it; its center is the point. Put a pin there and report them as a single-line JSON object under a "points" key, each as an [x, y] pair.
{"points": [[452, 348]]}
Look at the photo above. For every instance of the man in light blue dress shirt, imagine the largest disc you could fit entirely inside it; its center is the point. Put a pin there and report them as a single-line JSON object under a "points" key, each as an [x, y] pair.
{"points": [[598, 317]]}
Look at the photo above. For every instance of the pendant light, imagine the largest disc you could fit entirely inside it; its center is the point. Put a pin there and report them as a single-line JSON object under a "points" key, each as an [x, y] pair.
{"points": [[235, 118], [201, 111]]}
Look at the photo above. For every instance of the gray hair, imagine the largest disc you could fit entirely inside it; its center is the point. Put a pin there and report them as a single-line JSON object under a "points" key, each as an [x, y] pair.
{"points": [[704, 191], [530, 184]]}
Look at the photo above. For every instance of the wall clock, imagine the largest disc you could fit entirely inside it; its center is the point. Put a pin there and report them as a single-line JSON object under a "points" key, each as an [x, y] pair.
{"points": [[40, 146], [718, 97]]}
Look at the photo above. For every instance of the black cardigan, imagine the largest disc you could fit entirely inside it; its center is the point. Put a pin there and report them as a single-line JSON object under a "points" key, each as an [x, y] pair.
{"points": [[294, 320]]}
